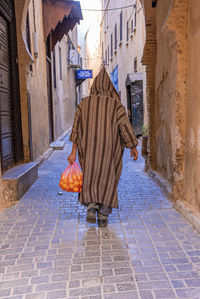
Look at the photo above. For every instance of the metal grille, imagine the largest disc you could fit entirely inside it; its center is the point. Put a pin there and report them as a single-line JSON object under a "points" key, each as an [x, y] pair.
{"points": [[6, 109]]}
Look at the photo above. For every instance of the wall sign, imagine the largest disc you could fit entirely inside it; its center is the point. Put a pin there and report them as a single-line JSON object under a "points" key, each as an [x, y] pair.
{"points": [[84, 74]]}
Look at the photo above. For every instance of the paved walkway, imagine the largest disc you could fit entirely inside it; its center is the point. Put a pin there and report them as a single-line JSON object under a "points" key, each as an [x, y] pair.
{"points": [[47, 250]]}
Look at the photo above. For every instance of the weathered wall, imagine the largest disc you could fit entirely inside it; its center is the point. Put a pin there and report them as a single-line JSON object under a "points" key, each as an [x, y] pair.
{"points": [[126, 51], [64, 94], [170, 94], [192, 148], [166, 72], [37, 85]]}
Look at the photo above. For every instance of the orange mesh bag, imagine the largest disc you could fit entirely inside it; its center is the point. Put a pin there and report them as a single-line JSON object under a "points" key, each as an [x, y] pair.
{"points": [[72, 178]]}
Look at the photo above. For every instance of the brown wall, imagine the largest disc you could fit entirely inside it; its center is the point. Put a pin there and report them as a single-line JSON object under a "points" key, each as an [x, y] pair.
{"points": [[174, 106], [192, 149], [166, 68]]}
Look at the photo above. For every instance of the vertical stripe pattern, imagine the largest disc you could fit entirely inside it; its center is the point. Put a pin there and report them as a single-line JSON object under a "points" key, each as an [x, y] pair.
{"points": [[101, 129]]}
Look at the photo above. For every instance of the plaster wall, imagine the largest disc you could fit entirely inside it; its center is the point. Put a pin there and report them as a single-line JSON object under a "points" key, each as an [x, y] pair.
{"points": [[192, 147], [166, 72], [64, 93], [127, 50], [93, 51], [37, 84]]}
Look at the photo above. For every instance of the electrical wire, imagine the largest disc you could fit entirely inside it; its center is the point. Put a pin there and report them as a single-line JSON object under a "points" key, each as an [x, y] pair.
{"points": [[108, 9], [91, 58]]}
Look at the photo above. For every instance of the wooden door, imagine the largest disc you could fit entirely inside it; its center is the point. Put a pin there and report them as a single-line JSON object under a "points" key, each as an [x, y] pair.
{"points": [[137, 106]]}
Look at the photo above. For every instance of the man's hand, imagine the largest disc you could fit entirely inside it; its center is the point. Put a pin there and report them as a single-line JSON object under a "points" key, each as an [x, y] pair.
{"points": [[71, 159], [134, 153]]}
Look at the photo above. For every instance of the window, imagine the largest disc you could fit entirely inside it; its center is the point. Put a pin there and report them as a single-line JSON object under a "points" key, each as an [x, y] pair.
{"points": [[54, 68], [132, 29], [108, 55], [135, 65], [115, 36], [60, 63], [135, 17], [111, 45], [121, 27], [127, 31], [28, 39]]}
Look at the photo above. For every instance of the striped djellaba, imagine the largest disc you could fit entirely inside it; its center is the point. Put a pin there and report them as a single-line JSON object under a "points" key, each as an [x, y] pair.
{"points": [[101, 129]]}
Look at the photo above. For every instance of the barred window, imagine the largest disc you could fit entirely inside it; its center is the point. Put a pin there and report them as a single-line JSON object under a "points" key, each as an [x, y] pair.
{"points": [[115, 36], [111, 45], [121, 27], [132, 26], [135, 65], [127, 31]]}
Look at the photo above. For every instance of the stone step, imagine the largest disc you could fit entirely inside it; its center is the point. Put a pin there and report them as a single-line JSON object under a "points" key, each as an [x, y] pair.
{"points": [[57, 145], [17, 180]]}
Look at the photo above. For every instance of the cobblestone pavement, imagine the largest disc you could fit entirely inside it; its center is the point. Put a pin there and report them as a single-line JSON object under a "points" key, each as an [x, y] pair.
{"points": [[47, 250]]}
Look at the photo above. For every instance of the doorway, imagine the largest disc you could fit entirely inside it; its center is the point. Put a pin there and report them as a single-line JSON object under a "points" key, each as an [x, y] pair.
{"points": [[49, 89], [10, 117], [134, 88]]}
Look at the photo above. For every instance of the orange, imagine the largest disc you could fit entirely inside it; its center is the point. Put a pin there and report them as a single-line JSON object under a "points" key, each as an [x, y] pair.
{"points": [[74, 177], [76, 184], [71, 186], [70, 181], [75, 189]]}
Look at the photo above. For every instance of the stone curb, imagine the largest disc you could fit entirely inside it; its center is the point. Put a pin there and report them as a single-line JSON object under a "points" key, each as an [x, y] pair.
{"points": [[49, 151], [189, 215], [161, 181], [179, 205]]}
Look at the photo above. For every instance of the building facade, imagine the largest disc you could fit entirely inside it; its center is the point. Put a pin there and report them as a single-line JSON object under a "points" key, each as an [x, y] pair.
{"points": [[30, 31], [122, 43], [90, 45], [173, 70]]}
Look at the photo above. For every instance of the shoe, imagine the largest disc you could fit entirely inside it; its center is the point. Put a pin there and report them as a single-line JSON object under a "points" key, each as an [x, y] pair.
{"points": [[102, 220], [102, 223], [91, 215]]}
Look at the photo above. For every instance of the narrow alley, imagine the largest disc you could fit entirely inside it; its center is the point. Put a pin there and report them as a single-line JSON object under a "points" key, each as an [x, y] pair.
{"points": [[48, 250]]}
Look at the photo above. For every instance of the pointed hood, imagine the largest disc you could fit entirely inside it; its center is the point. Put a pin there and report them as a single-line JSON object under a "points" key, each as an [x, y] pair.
{"points": [[103, 85]]}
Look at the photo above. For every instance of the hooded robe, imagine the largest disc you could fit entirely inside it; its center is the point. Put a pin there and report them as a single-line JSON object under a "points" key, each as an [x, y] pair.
{"points": [[101, 129]]}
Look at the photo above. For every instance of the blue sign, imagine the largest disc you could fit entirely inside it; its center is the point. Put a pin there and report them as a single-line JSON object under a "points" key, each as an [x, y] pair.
{"points": [[84, 74], [114, 78]]}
